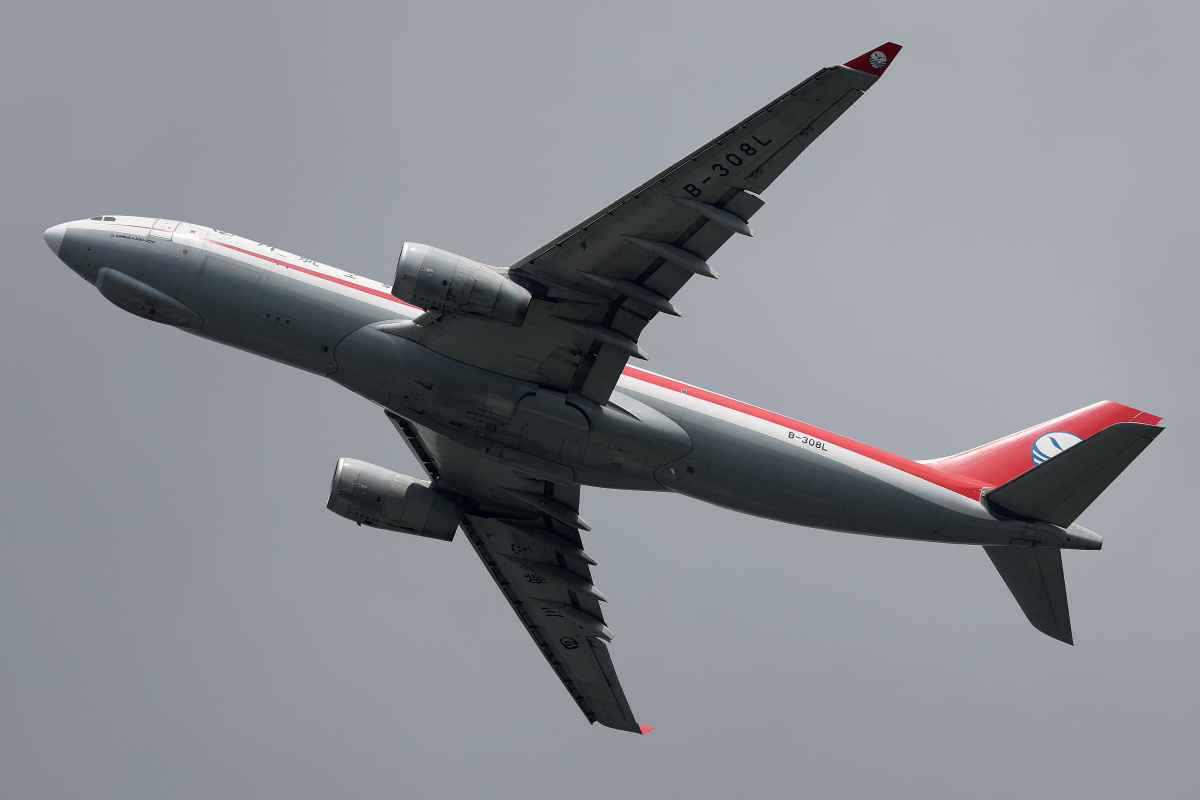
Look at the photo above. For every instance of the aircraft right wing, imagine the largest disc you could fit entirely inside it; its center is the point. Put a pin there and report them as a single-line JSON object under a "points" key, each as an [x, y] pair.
{"points": [[526, 532]]}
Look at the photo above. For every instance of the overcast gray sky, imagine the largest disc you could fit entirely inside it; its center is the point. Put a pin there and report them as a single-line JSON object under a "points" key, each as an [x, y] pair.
{"points": [[1001, 231]]}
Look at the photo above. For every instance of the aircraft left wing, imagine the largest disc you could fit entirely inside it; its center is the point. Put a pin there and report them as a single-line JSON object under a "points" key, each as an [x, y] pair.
{"points": [[526, 532], [599, 284]]}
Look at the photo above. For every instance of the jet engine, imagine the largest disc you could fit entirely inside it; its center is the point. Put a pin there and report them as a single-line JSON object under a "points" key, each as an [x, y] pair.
{"points": [[436, 280], [371, 495]]}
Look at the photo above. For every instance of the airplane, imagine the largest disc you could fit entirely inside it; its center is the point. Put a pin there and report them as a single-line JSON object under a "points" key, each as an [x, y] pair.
{"points": [[512, 388]]}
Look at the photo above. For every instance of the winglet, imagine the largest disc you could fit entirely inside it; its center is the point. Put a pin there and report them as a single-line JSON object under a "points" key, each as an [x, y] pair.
{"points": [[875, 61], [644, 729]]}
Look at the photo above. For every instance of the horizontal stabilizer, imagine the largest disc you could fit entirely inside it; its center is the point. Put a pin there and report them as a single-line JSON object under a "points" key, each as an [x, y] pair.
{"points": [[1059, 489], [1035, 577]]}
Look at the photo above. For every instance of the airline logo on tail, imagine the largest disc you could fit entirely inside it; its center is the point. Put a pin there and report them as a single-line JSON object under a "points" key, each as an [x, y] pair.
{"points": [[1051, 444]]}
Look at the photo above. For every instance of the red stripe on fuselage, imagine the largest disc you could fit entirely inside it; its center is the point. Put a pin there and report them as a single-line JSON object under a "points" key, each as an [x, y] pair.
{"points": [[963, 485], [305, 270], [314, 273]]}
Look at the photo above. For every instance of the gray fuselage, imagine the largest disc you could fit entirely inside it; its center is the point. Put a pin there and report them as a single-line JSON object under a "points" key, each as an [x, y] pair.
{"points": [[653, 434]]}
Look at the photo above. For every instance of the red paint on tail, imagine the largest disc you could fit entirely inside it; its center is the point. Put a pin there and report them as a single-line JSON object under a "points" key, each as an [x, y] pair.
{"points": [[1000, 461]]}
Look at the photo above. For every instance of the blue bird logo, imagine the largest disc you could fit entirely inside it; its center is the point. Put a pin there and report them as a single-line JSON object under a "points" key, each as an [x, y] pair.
{"points": [[1048, 445]]}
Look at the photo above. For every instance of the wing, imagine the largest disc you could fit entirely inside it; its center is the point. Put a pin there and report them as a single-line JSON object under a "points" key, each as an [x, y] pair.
{"points": [[526, 532], [595, 289], [599, 284]]}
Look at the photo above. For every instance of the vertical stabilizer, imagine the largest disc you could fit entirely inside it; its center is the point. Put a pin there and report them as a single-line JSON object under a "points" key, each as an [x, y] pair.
{"points": [[1035, 577], [1000, 461]]}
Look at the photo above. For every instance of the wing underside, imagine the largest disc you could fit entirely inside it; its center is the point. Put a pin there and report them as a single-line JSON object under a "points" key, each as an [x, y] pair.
{"points": [[594, 290], [598, 285], [527, 535]]}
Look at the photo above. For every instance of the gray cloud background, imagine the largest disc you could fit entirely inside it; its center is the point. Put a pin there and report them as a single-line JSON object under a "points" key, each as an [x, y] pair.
{"points": [[1001, 231]]}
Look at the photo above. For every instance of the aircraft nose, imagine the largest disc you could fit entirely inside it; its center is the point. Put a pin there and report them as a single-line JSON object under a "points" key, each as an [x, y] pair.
{"points": [[54, 236]]}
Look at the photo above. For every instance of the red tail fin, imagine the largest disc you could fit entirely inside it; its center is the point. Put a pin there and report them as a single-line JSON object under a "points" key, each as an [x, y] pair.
{"points": [[1004, 459]]}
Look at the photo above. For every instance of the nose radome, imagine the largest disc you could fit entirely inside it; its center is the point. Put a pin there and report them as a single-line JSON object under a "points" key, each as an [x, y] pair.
{"points": [[54, 236]]}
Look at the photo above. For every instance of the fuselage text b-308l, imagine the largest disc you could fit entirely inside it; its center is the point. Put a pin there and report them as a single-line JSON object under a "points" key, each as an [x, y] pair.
{"points": [[511, 387]]}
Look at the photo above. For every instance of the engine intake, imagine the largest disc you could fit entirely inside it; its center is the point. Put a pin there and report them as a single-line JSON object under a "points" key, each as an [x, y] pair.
{"points": [[371, 495], [437, 280]]}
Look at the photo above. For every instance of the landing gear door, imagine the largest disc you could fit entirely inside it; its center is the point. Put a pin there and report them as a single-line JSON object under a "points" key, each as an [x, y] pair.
{"points": [[164, 228]]}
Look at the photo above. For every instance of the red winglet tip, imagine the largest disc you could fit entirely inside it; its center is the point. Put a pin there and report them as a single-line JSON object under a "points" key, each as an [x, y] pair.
{"points": [[644, 729], [875, 61]]}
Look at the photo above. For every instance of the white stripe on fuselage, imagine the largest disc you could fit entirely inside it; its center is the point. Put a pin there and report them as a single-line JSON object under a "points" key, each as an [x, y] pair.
{"points": [[662, 399], [325, 278]]}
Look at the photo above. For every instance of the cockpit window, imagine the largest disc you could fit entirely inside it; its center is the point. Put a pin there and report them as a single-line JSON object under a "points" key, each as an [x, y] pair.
{"points": [[97, 217], [110, 219]]}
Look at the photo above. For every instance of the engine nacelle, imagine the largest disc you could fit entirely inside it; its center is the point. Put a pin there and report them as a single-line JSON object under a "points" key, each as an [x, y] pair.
{"points": [[371, 495], [437, 280]]}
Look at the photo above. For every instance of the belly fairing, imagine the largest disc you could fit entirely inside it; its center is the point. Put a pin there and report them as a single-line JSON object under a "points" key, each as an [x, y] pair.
{"points": [[552, 435]]}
